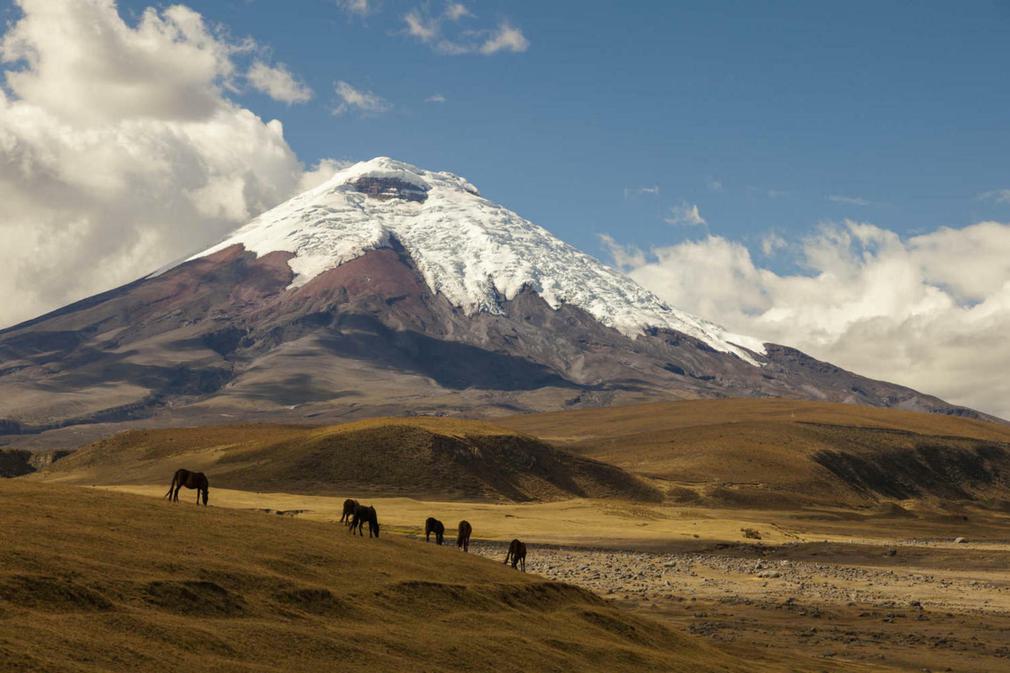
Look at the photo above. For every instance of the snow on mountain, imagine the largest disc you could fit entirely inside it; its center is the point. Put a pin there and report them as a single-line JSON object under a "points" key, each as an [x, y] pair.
{"points": [[474, 252]]}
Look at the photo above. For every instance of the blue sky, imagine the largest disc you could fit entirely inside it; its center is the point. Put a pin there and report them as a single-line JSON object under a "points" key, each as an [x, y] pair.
{"points": [[785, 105]]}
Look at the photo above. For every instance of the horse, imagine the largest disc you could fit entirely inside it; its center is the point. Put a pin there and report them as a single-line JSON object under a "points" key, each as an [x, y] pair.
{"points": [[463, 532], [364, 515], [197, 480], [433, 525], [349, 506], [517, 552]]}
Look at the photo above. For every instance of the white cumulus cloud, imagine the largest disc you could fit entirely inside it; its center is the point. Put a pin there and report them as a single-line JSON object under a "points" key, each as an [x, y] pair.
{"points": [[443, 32], [931, 311], [455, 11], [505, 38], [278, 83], [632, 192], [357, 7], [997, 195], [685, 215], [848, 200], [364, 102], [121, 150]]}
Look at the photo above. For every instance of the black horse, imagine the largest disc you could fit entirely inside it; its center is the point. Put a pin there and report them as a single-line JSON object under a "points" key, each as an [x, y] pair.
{"points": [[463, 532], [363, 515], [197, 480], [517, 554], [349, 506], [433, 525]]}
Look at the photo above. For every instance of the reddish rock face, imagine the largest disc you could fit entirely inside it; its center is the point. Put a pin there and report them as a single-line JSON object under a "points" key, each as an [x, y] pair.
{"points": [[226, 336], [377, 281]]}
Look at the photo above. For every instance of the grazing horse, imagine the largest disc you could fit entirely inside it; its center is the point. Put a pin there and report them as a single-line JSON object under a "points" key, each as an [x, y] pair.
{"points": [[463, 532], [197, 480], [349, 506], [517, 552], [364, 515], [433, 525]]}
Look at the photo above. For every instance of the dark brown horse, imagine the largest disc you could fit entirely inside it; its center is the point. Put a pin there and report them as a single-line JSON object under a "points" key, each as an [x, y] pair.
{"points": [[197, 480], [433, 525], [517, 553], [463, 532], [363, 515], [349, 506]]}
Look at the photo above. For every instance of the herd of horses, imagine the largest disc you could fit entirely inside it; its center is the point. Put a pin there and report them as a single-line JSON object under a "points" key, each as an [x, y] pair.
{"points": [[355, 516]]}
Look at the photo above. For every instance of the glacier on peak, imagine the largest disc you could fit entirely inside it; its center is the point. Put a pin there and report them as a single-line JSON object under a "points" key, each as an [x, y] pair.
{"points": [[467, 248]]}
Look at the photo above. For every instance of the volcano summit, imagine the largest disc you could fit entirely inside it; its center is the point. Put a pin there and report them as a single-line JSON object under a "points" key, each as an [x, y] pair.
{"points": [[387, 290]]}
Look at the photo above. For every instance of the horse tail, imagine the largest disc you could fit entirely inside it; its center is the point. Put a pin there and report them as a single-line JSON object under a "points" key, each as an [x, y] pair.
{"points": [[171, 487]]}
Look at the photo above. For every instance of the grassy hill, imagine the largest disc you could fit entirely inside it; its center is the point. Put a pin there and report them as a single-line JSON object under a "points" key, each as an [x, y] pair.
{"points": [[785, 453], [419, 457], [751, 453], [99, 581]]}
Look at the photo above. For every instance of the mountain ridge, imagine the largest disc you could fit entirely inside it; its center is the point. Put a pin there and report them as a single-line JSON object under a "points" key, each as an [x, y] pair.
{"points": [[256, 335], [472, 250]]}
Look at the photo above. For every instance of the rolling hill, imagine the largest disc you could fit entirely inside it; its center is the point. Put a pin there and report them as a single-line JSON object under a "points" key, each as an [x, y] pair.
{"points": [[739, 453], [94, 581], [419, 457], [785, 453]]}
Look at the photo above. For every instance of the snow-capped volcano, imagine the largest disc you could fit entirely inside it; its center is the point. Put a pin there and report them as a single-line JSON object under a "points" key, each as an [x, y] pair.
{"points": [[471, 250], [387, 290]]}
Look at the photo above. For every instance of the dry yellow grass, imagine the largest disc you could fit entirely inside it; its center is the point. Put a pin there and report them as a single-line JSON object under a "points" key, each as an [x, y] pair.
{"points": [[645, 419], [98, 581], [784, 453], [621, 524], [426, 457]]}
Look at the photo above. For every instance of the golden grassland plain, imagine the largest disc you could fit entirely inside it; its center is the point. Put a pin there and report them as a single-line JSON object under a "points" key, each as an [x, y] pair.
{"points": [[822, 590], [796, 536], [98, 581]]}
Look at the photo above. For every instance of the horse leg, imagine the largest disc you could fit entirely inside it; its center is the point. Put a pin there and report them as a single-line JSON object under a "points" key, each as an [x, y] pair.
{"points": [[524, 563], [175, 495]]}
